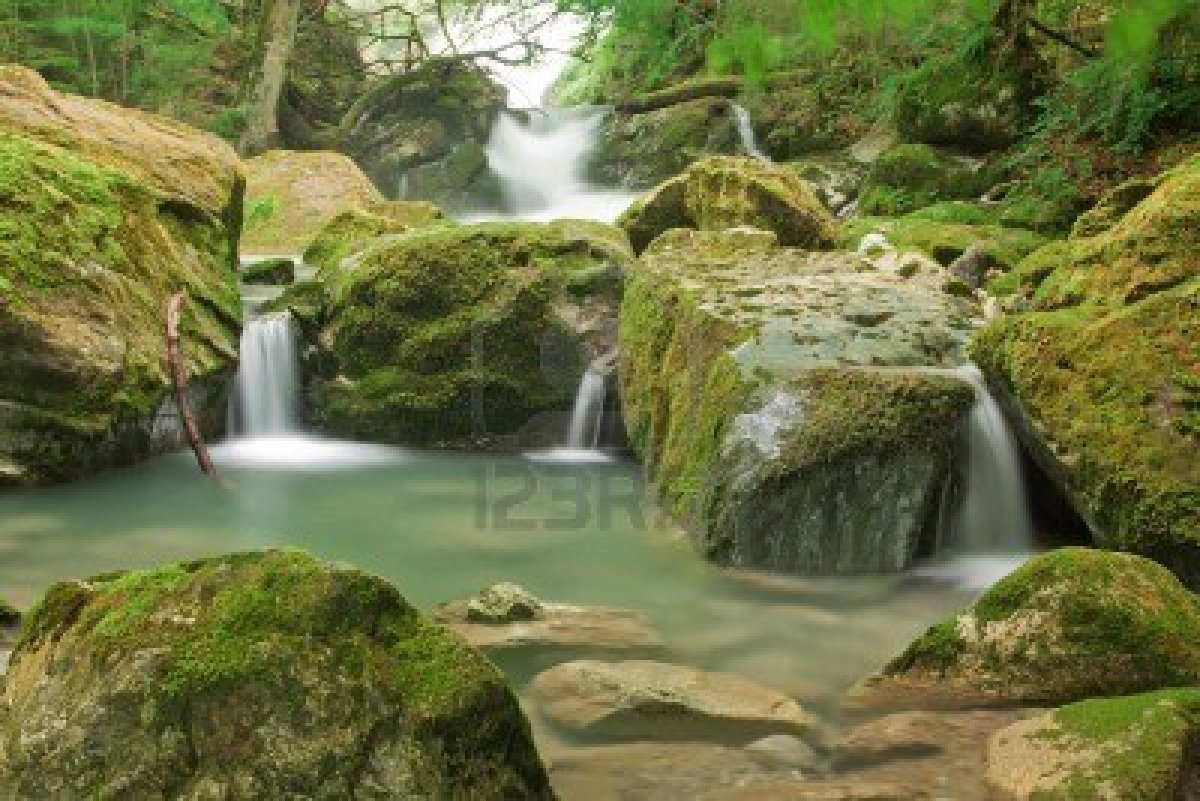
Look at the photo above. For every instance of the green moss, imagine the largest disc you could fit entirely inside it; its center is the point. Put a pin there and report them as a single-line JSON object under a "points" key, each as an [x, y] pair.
{"points": [[908, 177], [353, 229], [270, 272], [945, 241]]}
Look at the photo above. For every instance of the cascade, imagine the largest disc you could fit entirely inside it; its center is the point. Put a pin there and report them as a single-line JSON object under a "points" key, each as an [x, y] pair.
{"points": [[267, 381], [745, 128], [994, 514], [587, 418]]}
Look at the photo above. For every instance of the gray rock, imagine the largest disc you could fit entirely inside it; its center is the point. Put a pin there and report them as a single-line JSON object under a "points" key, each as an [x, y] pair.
{"points": [[503, 603], [974, 266]]}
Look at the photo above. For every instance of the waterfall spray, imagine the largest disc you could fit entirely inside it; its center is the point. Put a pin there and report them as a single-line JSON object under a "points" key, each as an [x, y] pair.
{"points": [[587, 418], [267, 380]]}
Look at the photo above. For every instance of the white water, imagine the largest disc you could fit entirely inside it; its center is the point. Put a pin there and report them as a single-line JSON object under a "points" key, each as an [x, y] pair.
{"points": [[541, 164], [745, 129], [587, 419], [267, 380], [994, 515]]}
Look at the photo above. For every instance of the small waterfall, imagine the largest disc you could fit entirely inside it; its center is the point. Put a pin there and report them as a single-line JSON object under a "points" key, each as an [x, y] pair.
{"points": [[267, 380], [745, 128], [994, 515], [587, 419]]}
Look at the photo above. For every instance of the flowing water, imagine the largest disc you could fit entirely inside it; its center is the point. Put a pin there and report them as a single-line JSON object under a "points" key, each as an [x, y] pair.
{"points": [[267, 383], [587, 418], [746, 135]]}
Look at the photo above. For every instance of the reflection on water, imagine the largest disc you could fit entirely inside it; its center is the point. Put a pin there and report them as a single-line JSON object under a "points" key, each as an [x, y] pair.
{"points": [[443, 525]]}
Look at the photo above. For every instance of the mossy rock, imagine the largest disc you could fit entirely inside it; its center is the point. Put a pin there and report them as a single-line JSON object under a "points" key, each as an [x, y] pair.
{"points": [[253, 674], [269, 272], [1070, 624], [748, 391], [958, 102], [292, 195], [458, 335], [354, 229], [1106, 367], [1135, 748], [908, 177], [799, 113], [108, 212], [945, 240], [725, 192]]}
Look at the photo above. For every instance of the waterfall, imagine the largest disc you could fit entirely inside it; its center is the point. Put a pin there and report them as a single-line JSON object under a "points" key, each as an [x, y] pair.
{"points": [[587, 419], [745, 128], [267, 380], [540, 159], [994, 515]]}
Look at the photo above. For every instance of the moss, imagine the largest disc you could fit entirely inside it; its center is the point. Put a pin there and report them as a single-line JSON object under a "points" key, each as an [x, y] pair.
{"points": [[351, 230], [946, 241], [270, 272], [907, 177]]}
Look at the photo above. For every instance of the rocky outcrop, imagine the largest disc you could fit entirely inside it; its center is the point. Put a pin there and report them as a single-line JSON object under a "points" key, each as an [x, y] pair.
{"points": [[1071, 624], [459, 335], [753, 392], [249, 675], [292, 195], [1103, 368], [642, 700], [108, 212], [908, 177], [353, 230], [434, 118], [1111, 749], [640, 149], [721, 192]]}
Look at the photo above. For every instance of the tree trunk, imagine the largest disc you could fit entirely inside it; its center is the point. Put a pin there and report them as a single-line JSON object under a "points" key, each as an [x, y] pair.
{"points": [[277, 37], [179, 379]]}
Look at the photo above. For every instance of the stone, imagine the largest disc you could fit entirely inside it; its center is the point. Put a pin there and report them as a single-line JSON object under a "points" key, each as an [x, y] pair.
{"points": [[784, 402], [1101, 373], [643, 700], [908, 177], [354, 230], [244, 674], [974, 266], [278, 271], [945, 238], [503, 603], [722, 192], [291, 196], [785, 751], [108, 212], [836, 176], [900, 736], [953, 102], [1108, 749], [1070, 624]]}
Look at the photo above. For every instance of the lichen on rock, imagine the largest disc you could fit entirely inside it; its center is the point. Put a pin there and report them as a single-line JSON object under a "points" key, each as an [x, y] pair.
{"points": [[252, 674]]}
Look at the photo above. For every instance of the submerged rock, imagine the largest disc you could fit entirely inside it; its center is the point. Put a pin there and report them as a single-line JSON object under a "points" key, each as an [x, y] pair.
{"points": [[640, 700], [760, 387], [724, 192], [1070, 624], [292, 195], [107, 212], [1111, 749], [459, 335], [248, 675], [1104, 366]]}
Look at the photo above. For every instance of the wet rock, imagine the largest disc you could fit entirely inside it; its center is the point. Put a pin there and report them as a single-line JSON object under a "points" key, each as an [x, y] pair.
{"points": [[777, 439], [248, 673], [1109, 749], [837, 177], [724, 192], [1103, 370], [785, 751], [904, 735], [1070, 624], [503, 603], [654, 700], [108, 212]]}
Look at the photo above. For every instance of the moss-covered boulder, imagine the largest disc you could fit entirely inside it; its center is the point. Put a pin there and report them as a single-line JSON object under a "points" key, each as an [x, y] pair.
{"points": [[945, 237], [465, 335], [907, 177], [107, 212], [726, 192], [639, 150], [749, 392], [291, 196], [437, 116], [1071, 624], [1136, 748], [1105, 367], [801, 112], [254, 675], [960, 102], [355, 229]]}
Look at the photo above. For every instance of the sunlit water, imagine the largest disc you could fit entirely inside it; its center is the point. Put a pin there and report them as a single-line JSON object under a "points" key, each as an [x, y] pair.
{"points": [[442, 526]]}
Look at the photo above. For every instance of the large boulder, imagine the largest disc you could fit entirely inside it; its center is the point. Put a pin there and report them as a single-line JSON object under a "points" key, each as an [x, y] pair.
{"points": [[961, 103], [434, 118], [1103, 368], [254, 675], [726, 192], [753, 391], [467, 335], [639, 150], [908, 177], [292, 195], [1070, 624], [1109, 749], [107, 213]]}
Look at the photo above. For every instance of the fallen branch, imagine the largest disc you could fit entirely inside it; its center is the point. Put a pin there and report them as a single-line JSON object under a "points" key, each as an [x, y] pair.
{"points": [[722, 87], [1063, 39], [179, 379]]}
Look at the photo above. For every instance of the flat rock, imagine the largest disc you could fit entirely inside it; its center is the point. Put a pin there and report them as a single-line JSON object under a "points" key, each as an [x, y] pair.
{"points": [[659, 701]]}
